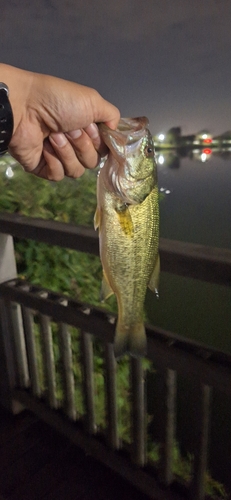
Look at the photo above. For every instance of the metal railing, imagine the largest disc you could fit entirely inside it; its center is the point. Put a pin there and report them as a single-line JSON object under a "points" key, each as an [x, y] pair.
{"points": [[30, 319]]}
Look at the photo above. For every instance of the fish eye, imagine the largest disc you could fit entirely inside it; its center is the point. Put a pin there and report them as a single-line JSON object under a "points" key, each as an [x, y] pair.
{"points": [[149, 151]]}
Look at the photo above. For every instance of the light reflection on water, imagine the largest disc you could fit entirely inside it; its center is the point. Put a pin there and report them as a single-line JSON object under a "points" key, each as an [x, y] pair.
{"points": [[197, 210], [198, 207]]}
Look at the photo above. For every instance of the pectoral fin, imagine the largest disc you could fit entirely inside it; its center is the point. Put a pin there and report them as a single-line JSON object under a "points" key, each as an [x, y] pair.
{"points": [[125, 222], [154, 280], [106, 290]]}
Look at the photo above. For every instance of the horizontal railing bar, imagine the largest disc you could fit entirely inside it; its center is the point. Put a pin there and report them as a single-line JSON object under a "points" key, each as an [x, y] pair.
{"points": [[58, 233], [100, 451], [166, 349], [91, 319], [184, 259], [196, 261]]}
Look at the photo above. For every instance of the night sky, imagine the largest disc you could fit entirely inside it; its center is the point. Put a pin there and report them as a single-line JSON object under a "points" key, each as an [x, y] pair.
{"points": [[169, 59]]}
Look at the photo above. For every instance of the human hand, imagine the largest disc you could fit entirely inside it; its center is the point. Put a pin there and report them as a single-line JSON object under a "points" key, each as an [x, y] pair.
{"points": [[55, 132]]}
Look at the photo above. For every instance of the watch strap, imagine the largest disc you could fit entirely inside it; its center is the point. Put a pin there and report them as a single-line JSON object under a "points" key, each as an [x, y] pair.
{"points": [[6, 119]]}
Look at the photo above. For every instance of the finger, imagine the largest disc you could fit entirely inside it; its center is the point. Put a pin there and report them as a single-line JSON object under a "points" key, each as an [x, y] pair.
{"points": [[49, 167], [72, 164], [93, 132], [104, 111], [84, 148]]}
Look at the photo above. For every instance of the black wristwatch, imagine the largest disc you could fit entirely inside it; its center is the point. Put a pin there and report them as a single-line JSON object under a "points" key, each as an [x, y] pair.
{"points": [[6, 119]]}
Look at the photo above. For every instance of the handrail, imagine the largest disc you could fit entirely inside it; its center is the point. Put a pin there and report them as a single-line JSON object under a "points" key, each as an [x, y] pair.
{"points": [[168, 350], [22, 306], [185, 259]]}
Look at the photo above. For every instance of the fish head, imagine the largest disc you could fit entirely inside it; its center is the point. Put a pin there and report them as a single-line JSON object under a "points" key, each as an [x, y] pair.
{"points": [[130, 170]]}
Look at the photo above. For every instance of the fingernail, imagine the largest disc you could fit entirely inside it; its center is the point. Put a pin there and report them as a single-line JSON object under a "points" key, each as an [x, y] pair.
{"points": [[92, 130], [75, 134], [59, 139]]}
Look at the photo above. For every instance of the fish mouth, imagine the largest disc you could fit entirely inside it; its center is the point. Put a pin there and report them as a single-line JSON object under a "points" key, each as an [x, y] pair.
{"points": [[133, 126], [124, 143], [129, 131]]}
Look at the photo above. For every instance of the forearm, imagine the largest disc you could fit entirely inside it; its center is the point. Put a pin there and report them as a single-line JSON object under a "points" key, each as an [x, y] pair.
{"points": [[55, 132]]}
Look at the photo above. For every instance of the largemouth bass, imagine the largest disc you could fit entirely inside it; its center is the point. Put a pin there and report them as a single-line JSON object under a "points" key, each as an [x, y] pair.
{"points": [[127, 216]]}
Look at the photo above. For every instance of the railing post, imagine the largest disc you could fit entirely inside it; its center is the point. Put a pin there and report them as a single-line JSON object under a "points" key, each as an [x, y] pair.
{"points": [[7, 366], [202, 406], [167, 422]]}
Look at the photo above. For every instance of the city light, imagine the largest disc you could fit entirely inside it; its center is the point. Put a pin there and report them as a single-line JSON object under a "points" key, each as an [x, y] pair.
{"points": [[206, 153], [204, 136], [161, 137]]}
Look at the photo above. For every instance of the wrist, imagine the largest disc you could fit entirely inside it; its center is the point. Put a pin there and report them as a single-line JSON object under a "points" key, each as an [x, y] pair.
{"points": [[6, 119], [19, 83]]}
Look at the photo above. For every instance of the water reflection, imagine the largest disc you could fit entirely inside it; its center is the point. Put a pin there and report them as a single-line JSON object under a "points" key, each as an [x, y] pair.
{"points": [[172, 158], [168, 157]]}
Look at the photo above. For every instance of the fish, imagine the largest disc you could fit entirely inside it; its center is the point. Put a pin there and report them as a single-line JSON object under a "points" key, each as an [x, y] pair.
{"points": [[127, 217]]}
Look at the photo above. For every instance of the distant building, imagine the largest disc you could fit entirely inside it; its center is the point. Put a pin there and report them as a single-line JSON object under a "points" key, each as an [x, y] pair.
{"points": [[173, 136], [187, 140], [223, 140], [203, 138], [172, 139]]}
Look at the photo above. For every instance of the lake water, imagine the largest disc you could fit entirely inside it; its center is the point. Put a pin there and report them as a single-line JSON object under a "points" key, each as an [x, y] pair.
{"points": [[199, 204], [196, 209]]}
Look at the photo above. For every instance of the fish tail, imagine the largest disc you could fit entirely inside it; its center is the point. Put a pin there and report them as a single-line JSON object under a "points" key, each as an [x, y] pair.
{"points": [[137, 344], [130, 340], [121, 340]]}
